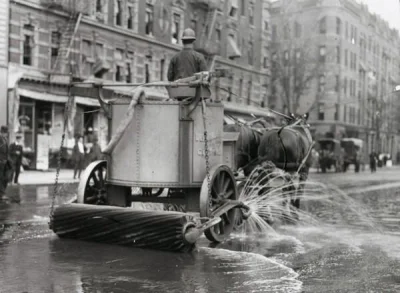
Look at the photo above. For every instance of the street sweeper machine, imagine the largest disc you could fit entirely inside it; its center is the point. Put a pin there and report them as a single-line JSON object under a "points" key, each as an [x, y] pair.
{"points": [[177, 144]]}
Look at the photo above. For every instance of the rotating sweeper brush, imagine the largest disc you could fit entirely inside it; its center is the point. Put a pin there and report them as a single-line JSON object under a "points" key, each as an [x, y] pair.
{"points": [[161, 230]]}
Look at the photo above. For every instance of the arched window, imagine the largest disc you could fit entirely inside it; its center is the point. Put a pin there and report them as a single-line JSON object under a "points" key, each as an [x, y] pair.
{"points": [[322, 25]]}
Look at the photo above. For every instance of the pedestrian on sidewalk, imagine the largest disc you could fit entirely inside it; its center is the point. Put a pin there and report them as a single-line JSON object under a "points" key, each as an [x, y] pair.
{"points": [[16, 154], [373, 157], [5, 164], [78, 156], [95, 151]]}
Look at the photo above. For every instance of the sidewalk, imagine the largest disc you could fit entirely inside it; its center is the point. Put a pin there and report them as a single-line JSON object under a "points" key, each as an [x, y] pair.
{"points": [[32, 177]]}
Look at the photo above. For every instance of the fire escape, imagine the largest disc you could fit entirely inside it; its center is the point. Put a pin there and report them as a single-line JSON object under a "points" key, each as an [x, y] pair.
{"points": [[64, 64]]}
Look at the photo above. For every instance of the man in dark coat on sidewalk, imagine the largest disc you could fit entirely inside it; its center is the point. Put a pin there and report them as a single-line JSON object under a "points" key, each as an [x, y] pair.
{"points": [[16, 154], [4, 161]]}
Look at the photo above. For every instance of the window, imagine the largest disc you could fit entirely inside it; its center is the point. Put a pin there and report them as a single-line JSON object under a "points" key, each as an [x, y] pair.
{"points": [[28, 44], [250, 53], [147, 73], [274, 34], [286, 32], [176, 21], [131, 17], [118, 57], [347, 30], [218, 34], [338, 55], [336, 115], [118, 12], [233, 11], [322, 54], [345, 86], [240, 89], [266, 25], [322, 25], [99, 51], [321, 111], [55, 43], [286, 57], [251, 13], [297, 29], [337, 81], [338, 26], [149, 19], [128, 73], [346, 61], [87, 57], [99, 55], [321, 84], [99, 6], [26, 121], [162, 69], [344, 113], [265, 62], [129, 66], [242, 8], [249, 87], [193, 24], [297, 55]]}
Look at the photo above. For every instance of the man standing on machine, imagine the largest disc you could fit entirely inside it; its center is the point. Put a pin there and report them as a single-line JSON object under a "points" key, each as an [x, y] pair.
{"points": [[187, 62]]}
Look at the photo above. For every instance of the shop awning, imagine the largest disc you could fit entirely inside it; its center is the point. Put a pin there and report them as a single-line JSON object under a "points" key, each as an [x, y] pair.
{"points": [[233, 50], [57, 98], [42, 96]]}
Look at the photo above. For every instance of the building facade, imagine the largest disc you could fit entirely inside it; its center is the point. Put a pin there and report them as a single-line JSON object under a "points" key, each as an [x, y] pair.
{"points": [[52, 42], [357, 66]]}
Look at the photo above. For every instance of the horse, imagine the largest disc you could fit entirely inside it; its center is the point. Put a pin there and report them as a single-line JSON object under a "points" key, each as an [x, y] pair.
{"points": [[287, 148], [247, 143]]}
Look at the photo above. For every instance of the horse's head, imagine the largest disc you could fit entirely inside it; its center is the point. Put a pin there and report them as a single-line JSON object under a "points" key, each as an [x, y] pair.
{"points": [[299, 120]]}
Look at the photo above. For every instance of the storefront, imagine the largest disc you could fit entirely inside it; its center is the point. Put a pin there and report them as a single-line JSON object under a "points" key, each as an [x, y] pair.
{"points": [[36, 110]]}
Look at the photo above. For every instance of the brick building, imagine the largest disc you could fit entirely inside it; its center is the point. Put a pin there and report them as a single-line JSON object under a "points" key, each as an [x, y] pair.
{"points": [[358, 68], [127, 41]]}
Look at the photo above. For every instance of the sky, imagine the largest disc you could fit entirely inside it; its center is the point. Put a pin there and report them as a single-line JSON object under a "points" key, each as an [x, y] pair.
{"points": [[389, 10]]}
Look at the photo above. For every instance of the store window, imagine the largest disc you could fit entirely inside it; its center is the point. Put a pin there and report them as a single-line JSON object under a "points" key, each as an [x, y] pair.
{"points": [[43, 117], [26, 125]]}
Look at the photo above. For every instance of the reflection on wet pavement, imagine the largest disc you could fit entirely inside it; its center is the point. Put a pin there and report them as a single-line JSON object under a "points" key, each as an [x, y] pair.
{"points": [[338, 256]]}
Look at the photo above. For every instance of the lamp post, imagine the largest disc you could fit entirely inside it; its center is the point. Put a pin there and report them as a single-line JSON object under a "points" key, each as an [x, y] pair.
{"points": [[380, 104]]}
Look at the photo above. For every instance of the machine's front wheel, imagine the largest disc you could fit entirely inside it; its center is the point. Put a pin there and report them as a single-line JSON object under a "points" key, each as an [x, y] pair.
{"points": [[222, 186], [92, 185]]}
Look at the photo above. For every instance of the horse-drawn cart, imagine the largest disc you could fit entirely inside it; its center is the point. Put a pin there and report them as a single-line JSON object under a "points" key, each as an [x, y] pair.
{"points": [[177, 144]]}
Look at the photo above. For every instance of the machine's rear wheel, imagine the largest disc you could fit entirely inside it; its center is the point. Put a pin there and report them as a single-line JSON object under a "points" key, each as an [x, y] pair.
{"points": [[92, 185], [223, 186]]}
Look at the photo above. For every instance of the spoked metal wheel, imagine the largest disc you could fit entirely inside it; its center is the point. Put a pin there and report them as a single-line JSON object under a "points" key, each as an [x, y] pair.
{"points": [[92, 186], [222, 186]]}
